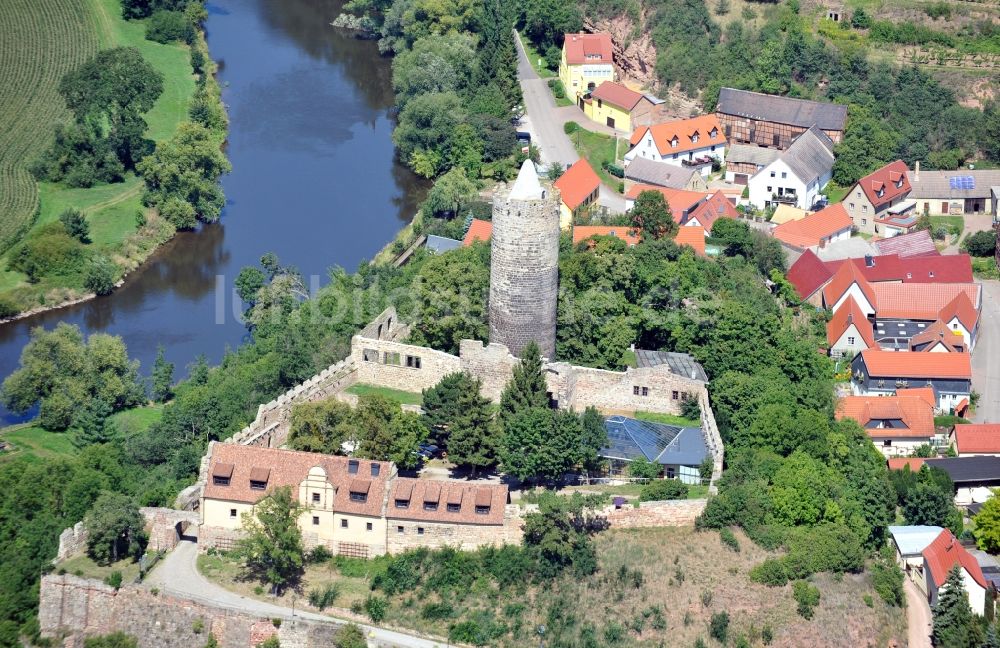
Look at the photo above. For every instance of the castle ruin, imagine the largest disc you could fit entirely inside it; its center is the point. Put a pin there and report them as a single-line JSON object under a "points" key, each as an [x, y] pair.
{"points": [[524, 266]]}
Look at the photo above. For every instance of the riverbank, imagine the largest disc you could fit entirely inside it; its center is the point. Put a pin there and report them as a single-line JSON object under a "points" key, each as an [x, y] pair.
{"points": [[122, 229]]}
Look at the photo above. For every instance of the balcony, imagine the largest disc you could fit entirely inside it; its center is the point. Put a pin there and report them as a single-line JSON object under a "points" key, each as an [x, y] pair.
{"points": [[697, 162], [788, 198]]}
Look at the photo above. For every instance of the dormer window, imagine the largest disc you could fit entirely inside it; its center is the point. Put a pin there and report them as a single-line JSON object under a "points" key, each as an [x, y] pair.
{"points": [[455, 501], [694, 138], [359, 490], [376, 469], [432, 495], [403, 492], [222, 474], [484, 499], [352, 467], [673, 142], [402, 503], [259, 477], [315, 498], [712, 133]]}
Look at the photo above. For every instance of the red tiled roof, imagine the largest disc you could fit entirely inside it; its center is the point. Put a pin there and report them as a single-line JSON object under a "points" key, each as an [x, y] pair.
{"points": [[808, 274], [944, 553], [692, 235], [849, 313], [588, 48], [577, 184], [919, 301], [422, 495], [961, 307], [290, 468], [840, 283], [479, 230], [891, 179], [977, 438], [683, 132], [583, 232], [715, 207], [936, 333], [915, 413], [617, 94], [681, 201], [899, 463], [811, 230], [925, 393], [893, 364]]}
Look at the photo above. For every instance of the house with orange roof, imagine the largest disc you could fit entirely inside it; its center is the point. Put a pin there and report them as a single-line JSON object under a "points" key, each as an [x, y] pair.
{"points": [[849, 331], [579, 187], [849, 282], [817, 230], [479, 230], [897, 425], [926, 393], [876, 372], [693, 237], [630, 235], [712, 209], [681, 202], [940, 557], [938, 338], [587, 61], [902, 463], [693, 142], [976, 439], [620, 107], [878, 203], [961, 316]]}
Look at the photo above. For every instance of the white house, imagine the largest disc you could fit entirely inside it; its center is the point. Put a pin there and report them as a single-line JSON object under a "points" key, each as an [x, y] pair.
{"points": [[797, 175], [939, 557], [910, 542], [849, 332], [686, 143]]}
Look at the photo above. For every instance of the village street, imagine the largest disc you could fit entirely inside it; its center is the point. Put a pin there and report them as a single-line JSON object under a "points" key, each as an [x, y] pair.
{"points": [[986, 357], [177, 575], [918, 617], [545, 123]]}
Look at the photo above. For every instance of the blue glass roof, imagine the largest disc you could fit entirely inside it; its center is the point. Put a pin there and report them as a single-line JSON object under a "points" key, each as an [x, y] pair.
{"points": [[630, 439]]}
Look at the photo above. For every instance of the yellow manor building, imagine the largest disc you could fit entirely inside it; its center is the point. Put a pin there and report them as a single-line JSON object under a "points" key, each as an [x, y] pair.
{"points": [[586, 63], [346, 504]]}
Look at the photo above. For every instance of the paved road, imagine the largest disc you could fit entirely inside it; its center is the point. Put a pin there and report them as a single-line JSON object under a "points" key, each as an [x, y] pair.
{"points": [[545, 123], [973, 223], [177, 575], [918, 617], [986, 357]]}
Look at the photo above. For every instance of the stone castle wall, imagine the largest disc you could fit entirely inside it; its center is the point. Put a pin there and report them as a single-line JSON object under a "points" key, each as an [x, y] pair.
{"points": [[408, 367], [524, 271], [655, 514], [161, 525], [465, 537], [615, 391], [72, 608]]}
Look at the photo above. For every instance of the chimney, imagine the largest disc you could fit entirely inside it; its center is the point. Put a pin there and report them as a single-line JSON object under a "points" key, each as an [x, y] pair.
{"points": [[916, 170], [869, 261]]}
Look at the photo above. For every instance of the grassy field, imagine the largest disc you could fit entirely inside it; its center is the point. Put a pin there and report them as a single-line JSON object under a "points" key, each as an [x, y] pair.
{"points": [[835, 192], [40, 40], [954, 224], [110, 209], [82, 565], [598, 148], [32, 441], [398, 395], [685, 578], [668, 419]]}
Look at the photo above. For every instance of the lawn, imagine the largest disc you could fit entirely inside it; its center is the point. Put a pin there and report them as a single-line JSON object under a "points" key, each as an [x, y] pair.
{"points": [[138, 419], [598, 148], [82, 565], [668, 419], [631, 490], [834, 192], [32, 441], [398, 395], [684, 577], [536, 59], [37, 27], [985, 268], [954, 224]]}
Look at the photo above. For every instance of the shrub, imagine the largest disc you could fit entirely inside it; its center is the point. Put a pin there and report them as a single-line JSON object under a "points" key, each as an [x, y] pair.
{"points": [[614, 633], [437, 611], [706, 598], [319, 554], [718, 627], [643, 468], [570, 127], [981, 244], [663, 489], [807, 596], [767, 635], [322, 598], [198, 626], [376, 608], [48, 250], [169, 26], [270, 642], [869, 601], [155, 591], [613, 169], [76, 225], [99, 277], [114, 579], [8, 308], [350, 636], [728, 538], [276, 622], [770, 572], [887, 580]]}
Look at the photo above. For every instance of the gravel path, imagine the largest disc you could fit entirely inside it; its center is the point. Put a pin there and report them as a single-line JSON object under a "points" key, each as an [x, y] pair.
{"points": [[918, 616]]}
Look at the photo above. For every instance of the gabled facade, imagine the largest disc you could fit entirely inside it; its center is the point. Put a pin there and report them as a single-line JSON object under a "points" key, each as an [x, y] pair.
{"points": [[616, 106], [943, 554], [965, 191], [879, 373], [587, 62], [849, 332], [642, 171], [682, 203], [774, 121], [797, 176], [878, 203], [579, 187], [687, 143], [712, 209]]}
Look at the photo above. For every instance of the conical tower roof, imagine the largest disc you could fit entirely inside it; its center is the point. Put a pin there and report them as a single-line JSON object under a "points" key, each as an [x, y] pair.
{"points": [[527, 186]]}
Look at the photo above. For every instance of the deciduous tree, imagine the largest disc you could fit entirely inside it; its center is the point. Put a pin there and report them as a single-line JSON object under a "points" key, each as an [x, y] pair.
{"points": [[163, 377], [271, 547], [114, 528], [652, 215]]}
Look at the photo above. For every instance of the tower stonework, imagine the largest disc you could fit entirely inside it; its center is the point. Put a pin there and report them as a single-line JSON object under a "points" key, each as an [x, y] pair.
{"points": [[524, 265]]}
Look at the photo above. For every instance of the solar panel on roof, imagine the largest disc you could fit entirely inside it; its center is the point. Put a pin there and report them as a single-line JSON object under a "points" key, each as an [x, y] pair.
{"points": [[962, 182]]}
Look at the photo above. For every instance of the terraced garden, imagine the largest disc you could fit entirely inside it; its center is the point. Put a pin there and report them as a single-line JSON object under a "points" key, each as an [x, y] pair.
{"points": [[40, 40]]}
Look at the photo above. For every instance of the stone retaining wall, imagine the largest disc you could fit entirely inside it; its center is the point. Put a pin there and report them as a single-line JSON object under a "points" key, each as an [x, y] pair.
{"points": [[465, 537], [655, 514], [161, 524], [72, 608]]}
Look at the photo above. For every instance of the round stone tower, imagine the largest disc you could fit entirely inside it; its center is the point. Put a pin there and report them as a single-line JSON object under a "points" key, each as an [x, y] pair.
{"points": [[524, 265]]}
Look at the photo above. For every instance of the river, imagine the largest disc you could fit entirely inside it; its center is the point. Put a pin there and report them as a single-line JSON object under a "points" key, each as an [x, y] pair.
{"points": [[314, 180]]}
